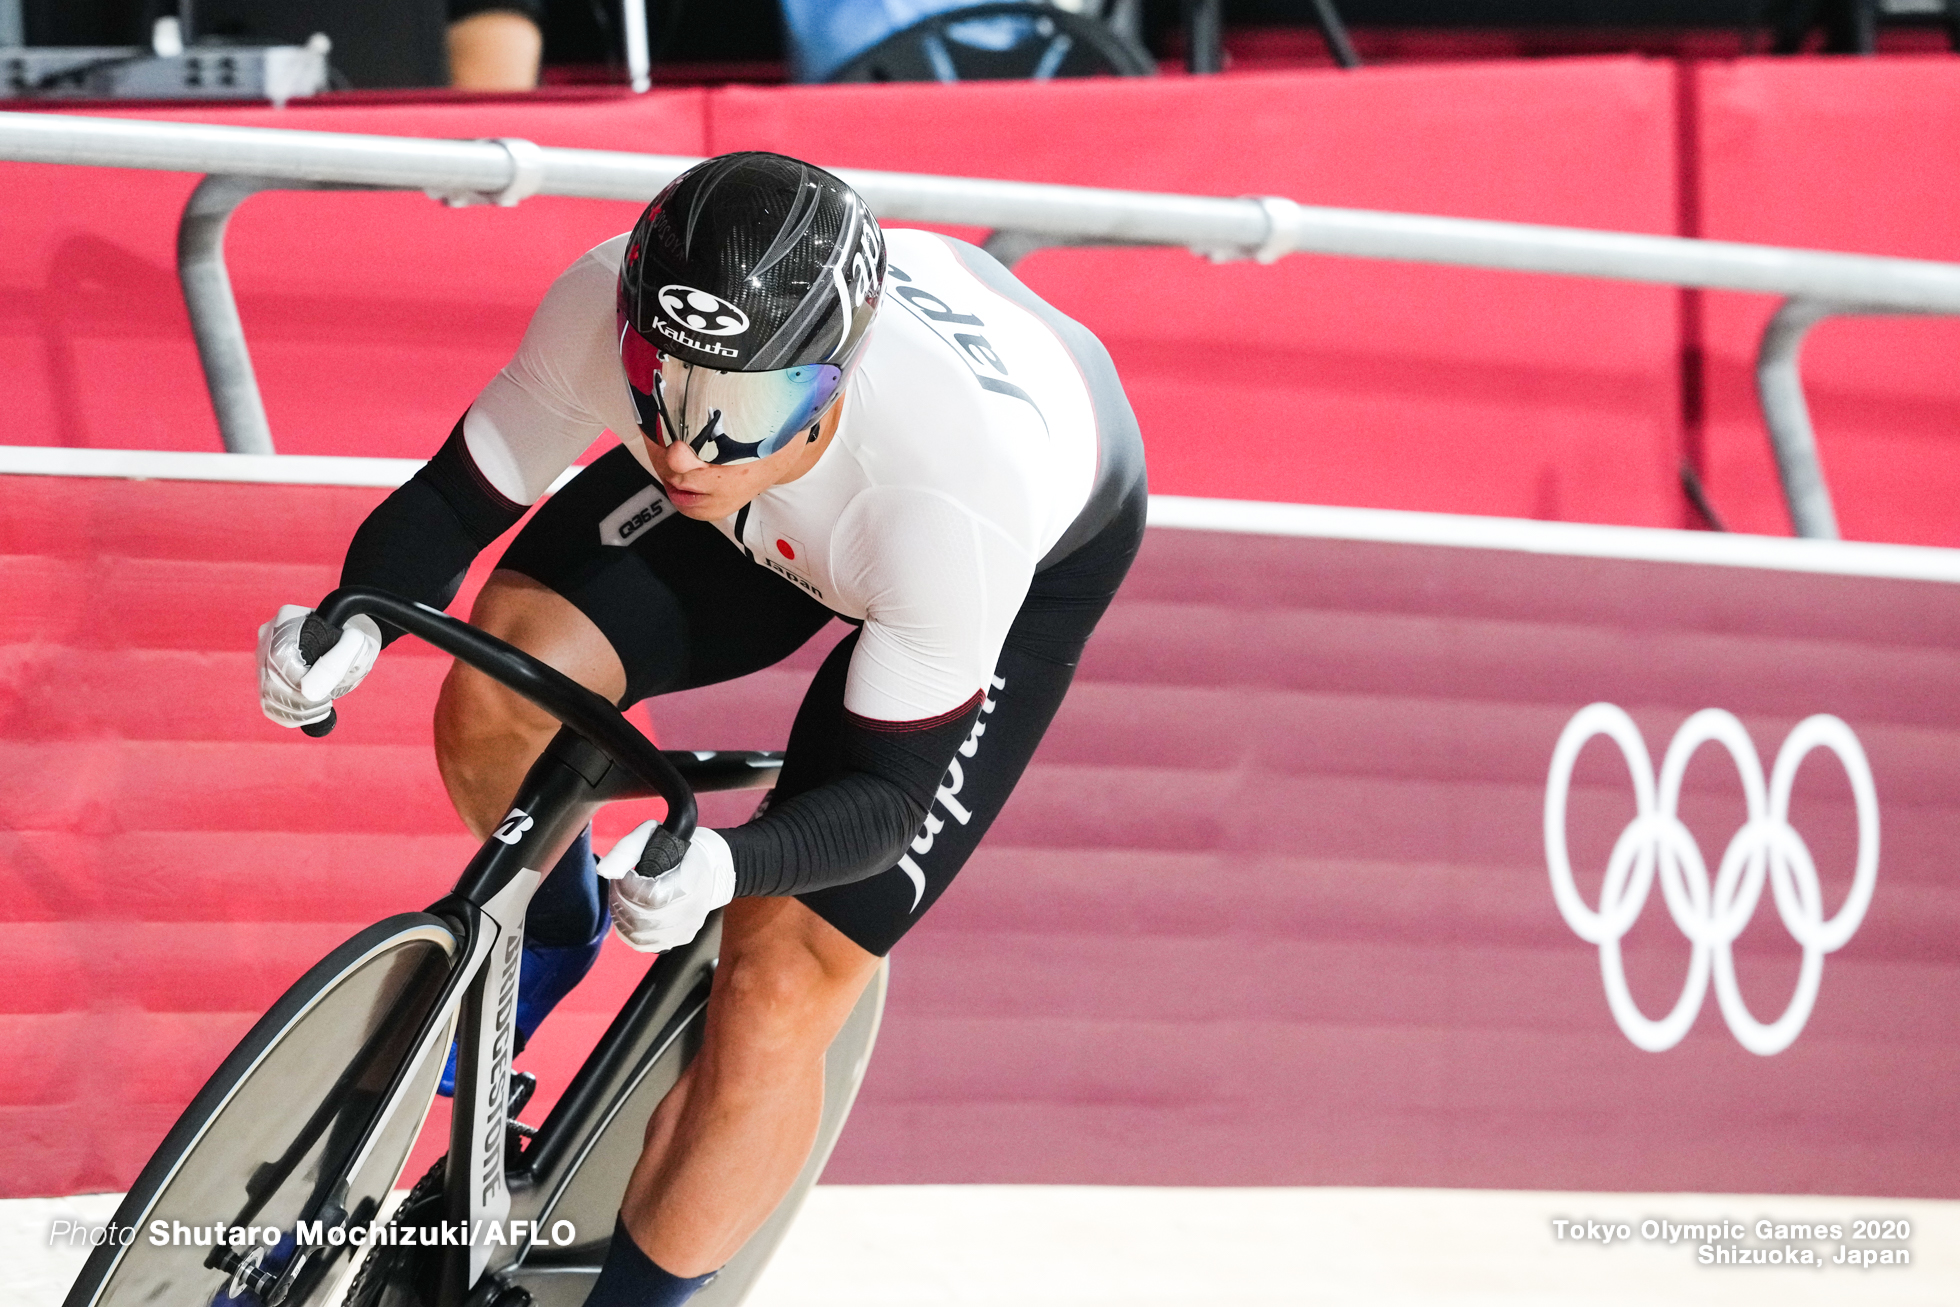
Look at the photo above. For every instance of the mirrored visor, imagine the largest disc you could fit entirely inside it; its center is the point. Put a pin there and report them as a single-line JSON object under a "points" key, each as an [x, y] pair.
{"points": [[725, 417]]}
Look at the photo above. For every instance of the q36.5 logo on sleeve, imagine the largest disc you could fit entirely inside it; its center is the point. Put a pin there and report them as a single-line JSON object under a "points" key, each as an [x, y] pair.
{"points": [[1766, 852], [698, 311]]}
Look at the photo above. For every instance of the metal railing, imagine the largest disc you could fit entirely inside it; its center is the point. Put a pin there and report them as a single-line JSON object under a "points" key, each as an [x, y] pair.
{"points": [[1023, 216]]}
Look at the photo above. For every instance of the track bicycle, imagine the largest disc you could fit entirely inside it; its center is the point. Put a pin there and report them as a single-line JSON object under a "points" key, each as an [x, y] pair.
{"points": [[271, 1188]]}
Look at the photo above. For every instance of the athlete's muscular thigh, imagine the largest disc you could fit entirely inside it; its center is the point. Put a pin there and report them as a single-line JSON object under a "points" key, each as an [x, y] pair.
{"points": [[730, 1138], [488, 736], [804, 966]]}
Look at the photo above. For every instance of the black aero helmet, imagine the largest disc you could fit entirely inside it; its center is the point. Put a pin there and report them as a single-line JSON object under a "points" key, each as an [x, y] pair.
{"points": [[745, 295]]}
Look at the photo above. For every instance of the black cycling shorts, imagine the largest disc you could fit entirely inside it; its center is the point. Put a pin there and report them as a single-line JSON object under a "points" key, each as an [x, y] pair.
{"points": [[683, 607]]}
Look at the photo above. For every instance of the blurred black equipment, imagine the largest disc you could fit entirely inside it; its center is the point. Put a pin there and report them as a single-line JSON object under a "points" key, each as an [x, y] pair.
{"points": [[1204, 34], [959, 40], [1002, 40], [1851, 26], [376, 43], [218, 49]]}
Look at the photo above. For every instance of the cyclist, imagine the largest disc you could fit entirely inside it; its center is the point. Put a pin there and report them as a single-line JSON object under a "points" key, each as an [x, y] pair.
{"points": [[817, 419]]}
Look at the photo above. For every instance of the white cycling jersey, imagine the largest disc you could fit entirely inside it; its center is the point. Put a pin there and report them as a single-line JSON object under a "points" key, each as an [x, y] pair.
{"points": [[966, 448]]}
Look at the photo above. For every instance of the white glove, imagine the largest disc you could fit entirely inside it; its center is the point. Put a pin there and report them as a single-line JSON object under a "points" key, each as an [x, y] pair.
{"points": [[294, 695], [656, 913]]}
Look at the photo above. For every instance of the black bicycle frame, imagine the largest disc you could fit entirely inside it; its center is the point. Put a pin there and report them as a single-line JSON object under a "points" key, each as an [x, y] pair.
{"points": [[597, 757], [582, 711], [367, 1111]]}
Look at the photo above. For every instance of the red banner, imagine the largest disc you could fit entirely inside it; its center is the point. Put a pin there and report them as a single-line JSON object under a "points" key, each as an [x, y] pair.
{"points": [[1273, 907]]}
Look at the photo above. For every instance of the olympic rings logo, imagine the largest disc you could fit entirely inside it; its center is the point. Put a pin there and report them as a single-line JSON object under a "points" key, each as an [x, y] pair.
{"points": [[1656, 844]]}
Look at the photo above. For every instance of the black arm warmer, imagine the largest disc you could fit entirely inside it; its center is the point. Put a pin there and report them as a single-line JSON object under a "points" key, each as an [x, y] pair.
{"points": [[421, 540], [859, 823]]}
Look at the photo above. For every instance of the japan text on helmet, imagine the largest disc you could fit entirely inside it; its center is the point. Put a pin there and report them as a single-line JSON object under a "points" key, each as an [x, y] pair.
{"points": [[745, 298]]}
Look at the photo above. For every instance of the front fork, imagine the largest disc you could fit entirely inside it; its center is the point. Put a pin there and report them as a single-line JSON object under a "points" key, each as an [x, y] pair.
{"points": [[559, 794]]}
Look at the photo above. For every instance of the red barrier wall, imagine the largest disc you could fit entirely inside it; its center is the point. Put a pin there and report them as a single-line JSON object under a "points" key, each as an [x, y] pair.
{"points": [[1335, 380], [1841, 154], [375, 318], [169, 861], [1274, 908], [1270, 908]]}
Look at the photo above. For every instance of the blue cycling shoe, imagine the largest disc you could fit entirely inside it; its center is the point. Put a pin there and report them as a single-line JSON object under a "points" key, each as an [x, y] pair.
{"points": [[546, 974]]}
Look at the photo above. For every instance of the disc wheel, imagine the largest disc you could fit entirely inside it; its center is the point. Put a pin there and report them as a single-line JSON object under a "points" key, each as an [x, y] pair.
{"points": [[558, 1276], [309, 1118], [399, 1273]]}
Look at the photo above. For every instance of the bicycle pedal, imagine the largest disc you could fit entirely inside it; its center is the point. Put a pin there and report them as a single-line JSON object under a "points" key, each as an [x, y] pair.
{"points": [[247, 1272], [517, 1141], [260, 1277], [522, 1085], [494, 1294]]}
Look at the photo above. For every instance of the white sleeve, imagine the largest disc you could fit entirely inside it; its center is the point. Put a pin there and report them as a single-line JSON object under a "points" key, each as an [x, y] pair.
{"points": [[942, 586], [537, 415]]}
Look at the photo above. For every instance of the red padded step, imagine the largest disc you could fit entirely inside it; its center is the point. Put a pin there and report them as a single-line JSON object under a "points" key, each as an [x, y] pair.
{"points": [[1271, 906]]}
